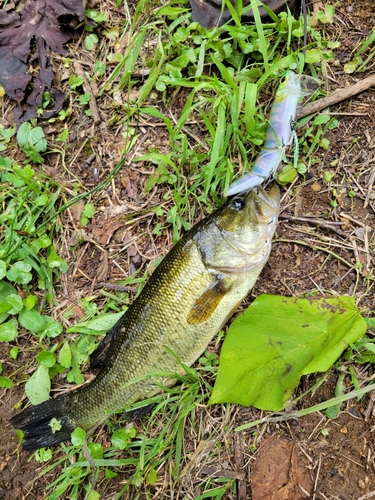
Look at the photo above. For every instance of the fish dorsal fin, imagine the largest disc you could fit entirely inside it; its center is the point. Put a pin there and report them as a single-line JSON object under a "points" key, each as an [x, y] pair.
{"points": [[207, 303]]}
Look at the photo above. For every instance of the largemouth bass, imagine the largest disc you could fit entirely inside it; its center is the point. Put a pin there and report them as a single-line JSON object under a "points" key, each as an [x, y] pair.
{"points": [[188, 298]]}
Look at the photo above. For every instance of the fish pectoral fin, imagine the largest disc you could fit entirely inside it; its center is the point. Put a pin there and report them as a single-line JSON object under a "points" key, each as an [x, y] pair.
{"points": [[207, 303]]}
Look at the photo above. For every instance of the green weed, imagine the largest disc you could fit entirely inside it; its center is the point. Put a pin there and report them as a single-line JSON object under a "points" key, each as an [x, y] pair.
{"points": [[223, 72], [6, 135], [145, 452], [31, 140], [358, 63], [29, 199], [226, 79]]}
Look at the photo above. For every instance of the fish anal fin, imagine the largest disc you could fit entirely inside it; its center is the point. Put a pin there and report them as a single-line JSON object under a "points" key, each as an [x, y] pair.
{"points": [[206, 304], [139, 413]]}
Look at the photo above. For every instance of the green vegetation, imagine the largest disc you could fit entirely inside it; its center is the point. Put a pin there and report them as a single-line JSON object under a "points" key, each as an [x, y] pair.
{"points": [[357, 64], [225, 79], [279, 339], [145, 451]]}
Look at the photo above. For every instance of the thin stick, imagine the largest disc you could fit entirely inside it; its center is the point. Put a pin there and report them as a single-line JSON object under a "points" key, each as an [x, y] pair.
{"points": [[317, 476], [352, 219], [337, 96], [315, 247], [307, 411], [345, 113], [239, 461], [371, 494], [317, 222], [369, 189], [87, 88]]}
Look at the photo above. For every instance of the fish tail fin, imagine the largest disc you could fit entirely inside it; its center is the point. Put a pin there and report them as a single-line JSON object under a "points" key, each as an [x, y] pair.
{"points": [[35, 423]]}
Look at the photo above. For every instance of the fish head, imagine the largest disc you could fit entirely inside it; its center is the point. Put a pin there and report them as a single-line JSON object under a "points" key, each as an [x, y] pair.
{"points": [[246, 226]]}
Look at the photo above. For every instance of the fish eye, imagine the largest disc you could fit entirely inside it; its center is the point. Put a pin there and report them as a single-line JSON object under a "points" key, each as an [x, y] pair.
{"points": [[238, 203]]}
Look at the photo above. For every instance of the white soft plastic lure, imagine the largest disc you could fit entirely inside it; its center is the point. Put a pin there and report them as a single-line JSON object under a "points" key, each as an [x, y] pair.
{"points": [[280, 130]]}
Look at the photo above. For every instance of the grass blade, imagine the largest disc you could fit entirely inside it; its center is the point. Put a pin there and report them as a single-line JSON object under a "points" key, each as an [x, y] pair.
{"points": [[259, 26], [250, 105]]}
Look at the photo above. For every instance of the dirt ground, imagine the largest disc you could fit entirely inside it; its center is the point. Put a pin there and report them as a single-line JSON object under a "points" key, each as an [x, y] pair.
{"points": [[311, 238]]}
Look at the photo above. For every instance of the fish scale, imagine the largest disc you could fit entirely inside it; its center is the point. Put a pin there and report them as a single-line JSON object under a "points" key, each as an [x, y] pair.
{"points": [[188, 298]]}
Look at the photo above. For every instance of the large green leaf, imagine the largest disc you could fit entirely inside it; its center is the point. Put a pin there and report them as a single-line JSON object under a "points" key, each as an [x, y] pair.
{"points": [[278, 339]]}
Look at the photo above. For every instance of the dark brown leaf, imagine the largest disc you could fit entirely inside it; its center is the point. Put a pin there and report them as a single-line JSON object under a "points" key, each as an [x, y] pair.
{"points": [[25, 39], [209, 12]]}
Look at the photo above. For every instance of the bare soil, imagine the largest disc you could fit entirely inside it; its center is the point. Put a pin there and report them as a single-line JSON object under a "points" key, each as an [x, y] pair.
{"points": [[318, 248]]}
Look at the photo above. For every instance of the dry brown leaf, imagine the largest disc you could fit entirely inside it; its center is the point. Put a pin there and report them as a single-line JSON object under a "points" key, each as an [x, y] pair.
{"points": [[107, 223], [209, 13], [103, 268], [280, 472], [76, 210]]}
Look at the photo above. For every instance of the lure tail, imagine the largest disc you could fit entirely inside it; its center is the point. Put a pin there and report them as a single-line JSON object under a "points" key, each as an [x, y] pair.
{"points": [[280, 131], [35, 423]]}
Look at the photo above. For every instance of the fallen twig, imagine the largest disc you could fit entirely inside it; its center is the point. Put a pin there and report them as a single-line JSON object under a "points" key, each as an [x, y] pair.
{"points": [[369, 187], [337, 96], [218, 472], [317, 222], [239, 461], [87, 88], [371, 494]]}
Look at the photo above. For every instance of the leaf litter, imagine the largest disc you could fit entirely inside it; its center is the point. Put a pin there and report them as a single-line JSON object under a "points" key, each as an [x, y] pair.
{"points": [[25, 40]]}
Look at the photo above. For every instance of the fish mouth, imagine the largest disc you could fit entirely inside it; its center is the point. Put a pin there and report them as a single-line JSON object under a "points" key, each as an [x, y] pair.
{"points": [[265, 206]]}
